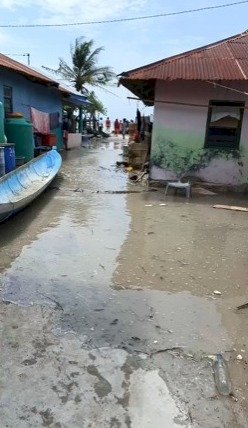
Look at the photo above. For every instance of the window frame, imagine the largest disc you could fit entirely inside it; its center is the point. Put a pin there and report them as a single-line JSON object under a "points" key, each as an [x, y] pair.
{"points": [[9, 98], [220, 103]]}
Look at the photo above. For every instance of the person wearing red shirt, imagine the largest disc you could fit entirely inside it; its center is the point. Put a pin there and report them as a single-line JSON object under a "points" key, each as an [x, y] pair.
{"points": [[108, 124]]}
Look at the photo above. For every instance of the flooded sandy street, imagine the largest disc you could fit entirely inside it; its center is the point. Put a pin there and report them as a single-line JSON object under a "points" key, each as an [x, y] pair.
{"points": [[109, 312]]}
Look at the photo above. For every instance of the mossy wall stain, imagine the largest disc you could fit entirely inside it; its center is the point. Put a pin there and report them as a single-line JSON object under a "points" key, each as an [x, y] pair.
{"points": [[184, 153], [179, 137]]}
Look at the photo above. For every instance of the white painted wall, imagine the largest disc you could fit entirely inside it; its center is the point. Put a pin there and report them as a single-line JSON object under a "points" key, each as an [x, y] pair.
{"points": [[191, 123], [194, 118]]}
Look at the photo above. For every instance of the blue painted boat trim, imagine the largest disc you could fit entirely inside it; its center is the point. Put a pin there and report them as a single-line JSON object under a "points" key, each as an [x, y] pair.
{"points": [[21, 186]]}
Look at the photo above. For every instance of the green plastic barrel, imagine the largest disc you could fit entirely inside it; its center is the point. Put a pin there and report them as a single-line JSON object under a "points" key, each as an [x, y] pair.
{"points": [[20, 132], [2, 137]]}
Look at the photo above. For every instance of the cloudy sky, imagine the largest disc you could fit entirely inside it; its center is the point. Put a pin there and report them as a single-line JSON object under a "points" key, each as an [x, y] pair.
{"points": [[127, 45]]}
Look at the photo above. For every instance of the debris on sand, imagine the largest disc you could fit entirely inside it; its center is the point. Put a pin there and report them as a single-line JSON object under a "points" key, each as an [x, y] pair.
{"points": [[138, 177], [239, 357], [121, 192], [221, 375], [136, 338], [122, 163], [78, 190], [245, 305], [160, 351], [230, 207]]}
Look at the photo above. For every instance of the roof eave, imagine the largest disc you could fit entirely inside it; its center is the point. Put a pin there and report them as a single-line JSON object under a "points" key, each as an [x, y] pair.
{"points": [[36, 79], [143, 89]]}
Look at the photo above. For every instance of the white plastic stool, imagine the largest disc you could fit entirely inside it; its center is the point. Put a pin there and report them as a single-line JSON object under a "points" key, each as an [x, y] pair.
{"points": [[179, 185]]}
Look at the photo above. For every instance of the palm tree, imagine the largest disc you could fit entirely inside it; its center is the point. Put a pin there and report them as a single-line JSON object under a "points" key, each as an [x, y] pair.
{"points": [[84, 70], [95, 106], [94, 109]]}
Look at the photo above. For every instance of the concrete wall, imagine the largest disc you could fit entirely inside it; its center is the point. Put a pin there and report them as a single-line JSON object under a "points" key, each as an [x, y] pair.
{"points": [[74, 140], [179, 133], [28, 94]]}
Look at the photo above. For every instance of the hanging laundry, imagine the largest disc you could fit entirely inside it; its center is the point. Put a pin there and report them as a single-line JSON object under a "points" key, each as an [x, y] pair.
{"points": [[54, 120], [40, 120]]}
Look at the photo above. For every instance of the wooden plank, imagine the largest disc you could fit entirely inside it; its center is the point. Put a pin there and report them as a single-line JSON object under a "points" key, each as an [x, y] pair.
{"points": [[245, 305], [230, 207]]}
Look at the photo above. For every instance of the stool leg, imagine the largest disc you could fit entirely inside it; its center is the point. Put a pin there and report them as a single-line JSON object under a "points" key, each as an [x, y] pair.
{"points": [[188, 192], [166, 189]]}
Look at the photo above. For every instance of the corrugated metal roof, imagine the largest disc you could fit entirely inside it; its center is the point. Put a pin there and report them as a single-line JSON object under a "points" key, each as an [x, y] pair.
{"points": [[69, 94], [223, 60], [76, 100], [10, 64]]}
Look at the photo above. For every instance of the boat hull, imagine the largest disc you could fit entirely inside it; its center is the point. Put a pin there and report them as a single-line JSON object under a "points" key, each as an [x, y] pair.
{"points": [[20, 187]]}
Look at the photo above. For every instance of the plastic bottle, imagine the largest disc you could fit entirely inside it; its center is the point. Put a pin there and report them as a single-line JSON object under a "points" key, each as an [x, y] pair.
{"points": [[221, 376]]}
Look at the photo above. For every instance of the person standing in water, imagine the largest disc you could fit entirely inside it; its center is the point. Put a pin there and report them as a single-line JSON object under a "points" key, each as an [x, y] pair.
{"points": [[117, 127], [124, 128], [108, 125], [100, 126], [65, 130]]}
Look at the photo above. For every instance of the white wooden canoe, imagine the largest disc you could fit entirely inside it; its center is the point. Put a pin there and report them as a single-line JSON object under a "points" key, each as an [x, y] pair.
{"points": [[21, 186]]}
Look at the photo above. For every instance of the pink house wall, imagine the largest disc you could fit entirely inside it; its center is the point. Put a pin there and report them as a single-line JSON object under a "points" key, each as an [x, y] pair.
{"points": [[186, 125]]}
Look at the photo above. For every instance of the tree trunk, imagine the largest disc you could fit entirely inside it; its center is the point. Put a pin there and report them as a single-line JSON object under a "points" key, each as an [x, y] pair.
{"points": [[80, 127]]}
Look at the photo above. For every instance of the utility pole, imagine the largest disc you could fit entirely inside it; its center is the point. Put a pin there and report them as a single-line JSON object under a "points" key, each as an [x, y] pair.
{"points": [[28, 55]]}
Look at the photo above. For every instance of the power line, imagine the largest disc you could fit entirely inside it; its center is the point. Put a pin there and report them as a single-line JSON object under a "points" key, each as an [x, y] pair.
{"points": [[13, 54], [110, 21], [177, 103], [227, 87], [24, 54]]}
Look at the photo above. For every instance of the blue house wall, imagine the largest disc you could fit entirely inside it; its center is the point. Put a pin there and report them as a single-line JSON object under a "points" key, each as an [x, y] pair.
{"points": [[28, 94]]}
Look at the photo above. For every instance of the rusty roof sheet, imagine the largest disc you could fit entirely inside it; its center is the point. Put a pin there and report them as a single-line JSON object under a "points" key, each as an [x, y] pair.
{"points": [[10, 64], [223, 60]]}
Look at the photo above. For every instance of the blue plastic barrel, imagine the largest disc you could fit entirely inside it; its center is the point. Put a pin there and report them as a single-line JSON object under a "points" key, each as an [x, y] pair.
{"points": [[2, 139], [9, 157], [2, 162]]}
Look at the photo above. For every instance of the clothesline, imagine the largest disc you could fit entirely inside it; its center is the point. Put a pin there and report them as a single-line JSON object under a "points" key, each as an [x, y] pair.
{"points": [[44, 122], [174, 102]]}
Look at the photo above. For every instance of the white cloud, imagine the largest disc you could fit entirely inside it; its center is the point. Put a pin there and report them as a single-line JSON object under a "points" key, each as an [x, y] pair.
{"points": [[7, 4], [76, 10], [4, 38], [13, 46]]}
